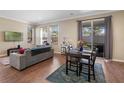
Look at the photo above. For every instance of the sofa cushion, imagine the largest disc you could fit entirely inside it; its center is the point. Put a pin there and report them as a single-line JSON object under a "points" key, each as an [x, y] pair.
{"points": [[36, 51]]}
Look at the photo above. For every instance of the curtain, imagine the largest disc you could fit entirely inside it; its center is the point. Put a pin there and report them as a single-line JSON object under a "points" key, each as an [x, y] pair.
{"points": [[108, 38], [79, 30]]}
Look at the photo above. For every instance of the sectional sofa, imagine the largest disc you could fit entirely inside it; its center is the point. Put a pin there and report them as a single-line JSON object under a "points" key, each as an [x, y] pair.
{"points": [[30, 57]]}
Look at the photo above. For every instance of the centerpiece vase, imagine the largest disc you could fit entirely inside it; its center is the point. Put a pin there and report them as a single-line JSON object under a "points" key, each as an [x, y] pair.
{"points": [[81, 48]]}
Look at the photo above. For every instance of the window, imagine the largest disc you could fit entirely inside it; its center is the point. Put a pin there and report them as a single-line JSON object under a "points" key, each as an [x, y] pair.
{"points": [[99, 30], [86, 31], [54, 34], [43, 34], [49, 34]]}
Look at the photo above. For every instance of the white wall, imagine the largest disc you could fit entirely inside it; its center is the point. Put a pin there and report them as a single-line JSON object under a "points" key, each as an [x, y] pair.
{"points": [[68, 29], [11, 25], [118, 36]]}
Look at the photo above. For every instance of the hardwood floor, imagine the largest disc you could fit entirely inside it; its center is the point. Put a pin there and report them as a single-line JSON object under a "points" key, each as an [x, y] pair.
{"points": [[114, 71]]}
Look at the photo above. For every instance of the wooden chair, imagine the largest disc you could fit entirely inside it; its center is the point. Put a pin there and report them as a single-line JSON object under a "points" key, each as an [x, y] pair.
{"points": [[72, 62], [89, 65]]}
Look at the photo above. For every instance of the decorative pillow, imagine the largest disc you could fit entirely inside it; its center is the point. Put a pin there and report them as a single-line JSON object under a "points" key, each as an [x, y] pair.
{"points": [[21, 50]]}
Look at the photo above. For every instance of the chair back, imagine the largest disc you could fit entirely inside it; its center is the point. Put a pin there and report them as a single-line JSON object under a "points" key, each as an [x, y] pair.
{"points": [[72, 56], [93, 55]]}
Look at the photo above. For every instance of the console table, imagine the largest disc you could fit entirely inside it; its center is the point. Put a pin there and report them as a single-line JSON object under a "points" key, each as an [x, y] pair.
{"points": [[11, 50]]}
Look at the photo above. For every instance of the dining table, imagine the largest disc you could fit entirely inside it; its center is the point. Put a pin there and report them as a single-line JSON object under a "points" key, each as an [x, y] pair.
{"points": [[86, 54]]}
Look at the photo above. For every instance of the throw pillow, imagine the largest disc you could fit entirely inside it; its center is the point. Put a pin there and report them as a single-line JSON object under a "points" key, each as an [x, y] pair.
{"points": [[21, 50]]}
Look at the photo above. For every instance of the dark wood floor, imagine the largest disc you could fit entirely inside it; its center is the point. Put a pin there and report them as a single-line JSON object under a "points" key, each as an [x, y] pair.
{"points": [[114, 71]]}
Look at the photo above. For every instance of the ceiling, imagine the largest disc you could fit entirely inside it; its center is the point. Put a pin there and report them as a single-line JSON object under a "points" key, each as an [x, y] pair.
{"points": [[45, 16]]}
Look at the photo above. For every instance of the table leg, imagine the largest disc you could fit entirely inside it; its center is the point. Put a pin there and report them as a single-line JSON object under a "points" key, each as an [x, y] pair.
{"points": [[66, 68], [89, 71], [77, 71]]}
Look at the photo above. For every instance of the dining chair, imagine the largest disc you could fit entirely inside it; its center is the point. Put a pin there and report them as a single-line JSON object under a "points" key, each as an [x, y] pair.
{"points": [[89, 65], [72, 62]]}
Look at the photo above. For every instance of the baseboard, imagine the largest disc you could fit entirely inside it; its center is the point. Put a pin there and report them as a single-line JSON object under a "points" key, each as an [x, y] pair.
{"points": [[3, 55], [117, 60], [57, 52]]}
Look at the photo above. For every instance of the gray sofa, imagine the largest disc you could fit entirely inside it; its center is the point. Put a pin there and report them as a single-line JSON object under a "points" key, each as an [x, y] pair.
{"points": [[30, 57]]}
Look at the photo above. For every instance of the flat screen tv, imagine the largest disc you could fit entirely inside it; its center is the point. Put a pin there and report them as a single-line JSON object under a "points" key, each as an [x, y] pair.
{"points": [[12, 36]]}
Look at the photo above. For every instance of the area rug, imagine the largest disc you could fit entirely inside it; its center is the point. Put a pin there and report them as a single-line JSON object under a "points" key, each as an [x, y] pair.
{"points": [[4, 60], [59, 76]]}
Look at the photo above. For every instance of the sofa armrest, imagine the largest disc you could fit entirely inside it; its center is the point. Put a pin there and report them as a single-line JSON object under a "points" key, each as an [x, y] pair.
{"points": [[18, 61]]}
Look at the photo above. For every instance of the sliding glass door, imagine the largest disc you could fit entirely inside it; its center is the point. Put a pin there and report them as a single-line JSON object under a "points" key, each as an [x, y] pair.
{"points": [[87, 34], [99, 35], [93, 32]]}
